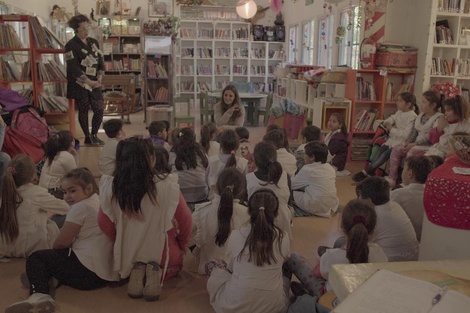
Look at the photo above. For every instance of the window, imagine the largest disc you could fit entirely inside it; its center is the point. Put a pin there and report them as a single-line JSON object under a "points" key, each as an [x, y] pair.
{"points": [[349, 46], [308, 35], [293, 30], [325, 40]]}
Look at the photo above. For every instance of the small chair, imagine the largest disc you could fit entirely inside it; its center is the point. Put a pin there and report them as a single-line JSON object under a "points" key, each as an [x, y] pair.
{"points": [[116, 101], [206, 108], [265, 111], [184, 117]]}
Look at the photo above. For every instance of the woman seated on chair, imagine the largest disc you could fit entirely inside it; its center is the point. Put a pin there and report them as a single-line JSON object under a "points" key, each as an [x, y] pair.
{"points": [[229, 112]]}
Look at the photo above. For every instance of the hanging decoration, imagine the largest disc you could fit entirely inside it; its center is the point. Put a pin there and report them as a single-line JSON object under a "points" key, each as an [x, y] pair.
{"points": [[340, 32]]}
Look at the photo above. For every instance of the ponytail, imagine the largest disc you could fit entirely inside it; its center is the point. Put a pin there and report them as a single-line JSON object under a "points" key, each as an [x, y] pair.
{"points": [[274, 172], [263, 207], [56, 143], [229, 143], [205, 138], [232, 161], [224, 216], [358, 222]]}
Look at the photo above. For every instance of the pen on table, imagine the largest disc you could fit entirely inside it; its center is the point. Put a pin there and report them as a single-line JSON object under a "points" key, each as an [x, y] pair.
{"points": [[438, 297]]}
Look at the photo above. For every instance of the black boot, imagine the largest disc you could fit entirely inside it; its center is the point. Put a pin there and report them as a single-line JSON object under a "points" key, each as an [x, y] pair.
{"points": [[96, 140]]}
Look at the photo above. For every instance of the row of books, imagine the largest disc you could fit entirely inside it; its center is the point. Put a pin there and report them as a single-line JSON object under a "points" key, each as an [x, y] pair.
{"points": [[52, 103], [51, 71], [187, 53], [126, 64], [9, 71], [242, 33], [9, 38], [222, 34], [160, 95], [222, 69], [442, 67], [364, 119], [187, 70], [443, 33], [365, 90], [240, 70], [204, 70], [240, 52], [463, 67], [259, 70], [452, 6], [156, 70], [27, 93], [125, 30], [262, 87], [205, 53], [222, 52], [391, 94], [44, 37], [185, 87]]}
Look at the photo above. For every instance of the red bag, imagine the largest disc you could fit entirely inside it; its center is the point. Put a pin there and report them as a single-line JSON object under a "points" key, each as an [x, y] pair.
{"points": [[17, 142], [31, 123]]}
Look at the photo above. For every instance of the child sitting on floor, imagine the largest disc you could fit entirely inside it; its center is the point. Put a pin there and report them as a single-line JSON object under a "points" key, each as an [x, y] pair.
{"points": [[158, 134], [287, 160], [309, 133], [107, 160], [246, 148], [208, 135], [314, 186], [337, 142]]}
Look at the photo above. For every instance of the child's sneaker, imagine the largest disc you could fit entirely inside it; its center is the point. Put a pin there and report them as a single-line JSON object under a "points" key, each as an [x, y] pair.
{"points": [[153, 287], [135, 286], [390, 181], [343, 173], [37, 302]]}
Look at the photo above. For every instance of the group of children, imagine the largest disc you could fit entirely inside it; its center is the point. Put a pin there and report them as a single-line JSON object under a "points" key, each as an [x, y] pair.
{"points": [[140, 224]]}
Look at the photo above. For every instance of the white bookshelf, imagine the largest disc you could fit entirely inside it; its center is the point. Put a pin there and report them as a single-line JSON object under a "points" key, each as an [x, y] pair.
{"points": [[214, 53]]}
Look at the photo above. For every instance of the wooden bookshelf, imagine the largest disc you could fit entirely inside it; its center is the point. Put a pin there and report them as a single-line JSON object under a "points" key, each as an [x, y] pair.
{"points": [[38, 57]]}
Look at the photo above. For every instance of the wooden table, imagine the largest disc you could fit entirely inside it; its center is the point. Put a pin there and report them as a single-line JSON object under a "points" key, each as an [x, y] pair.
{"points": [[252, 99]]}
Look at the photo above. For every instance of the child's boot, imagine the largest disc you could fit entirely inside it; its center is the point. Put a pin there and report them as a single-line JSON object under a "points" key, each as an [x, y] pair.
{"points": [[153, 286], [135, 286], [37, 302]]}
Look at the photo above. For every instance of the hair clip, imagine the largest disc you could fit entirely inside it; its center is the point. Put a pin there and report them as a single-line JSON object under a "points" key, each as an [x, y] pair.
{"points": [[180, 134], [232, 152], [11, 170], [261, 208]]}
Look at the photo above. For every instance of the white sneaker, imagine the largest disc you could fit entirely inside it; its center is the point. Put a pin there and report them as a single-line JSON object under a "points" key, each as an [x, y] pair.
{"points": [[343, 173], [37, 302], [390, 181]]}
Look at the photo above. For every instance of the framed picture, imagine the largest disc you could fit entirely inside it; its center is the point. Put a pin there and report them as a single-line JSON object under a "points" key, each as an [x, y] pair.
{"points": [[160, 8]]}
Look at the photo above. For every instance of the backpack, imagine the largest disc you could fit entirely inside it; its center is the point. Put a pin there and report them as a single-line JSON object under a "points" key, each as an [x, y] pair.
{"points": [[11, 100], [17, 142], [30, 122]]}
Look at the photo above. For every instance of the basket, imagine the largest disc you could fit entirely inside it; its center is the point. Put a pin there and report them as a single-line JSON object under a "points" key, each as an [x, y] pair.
{"points": [[461, 145], [396, 56], [333, 77]]}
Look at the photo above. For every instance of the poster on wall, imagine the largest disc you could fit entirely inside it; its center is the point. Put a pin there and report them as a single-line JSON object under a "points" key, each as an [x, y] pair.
{"points": [[160, 8]]}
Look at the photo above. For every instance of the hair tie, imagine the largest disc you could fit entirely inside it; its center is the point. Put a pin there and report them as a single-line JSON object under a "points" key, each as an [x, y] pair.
{"points": [[180, 134], [11, 170], [359, 219], [261, 208], [232, 152], [230, 188]]}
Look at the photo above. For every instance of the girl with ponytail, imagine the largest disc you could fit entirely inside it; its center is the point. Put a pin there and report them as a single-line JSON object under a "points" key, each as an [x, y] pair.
{"points": [[358, 224], [252, 280], [208, 134], [213, 221], [227, 157], [60, 158], [269, 174]]}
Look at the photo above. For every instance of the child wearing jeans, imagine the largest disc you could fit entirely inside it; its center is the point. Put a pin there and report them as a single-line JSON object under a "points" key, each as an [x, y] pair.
{"points": [[358, 222], [399, 126]]}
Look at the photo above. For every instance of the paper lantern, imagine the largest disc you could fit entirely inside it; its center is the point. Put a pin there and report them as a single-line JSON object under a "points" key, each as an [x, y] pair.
{"points": [[246, 8]]}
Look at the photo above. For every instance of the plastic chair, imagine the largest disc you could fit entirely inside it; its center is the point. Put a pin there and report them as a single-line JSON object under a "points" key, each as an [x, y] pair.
{"points": [[265, 111], [206, 108], [184, 117]]}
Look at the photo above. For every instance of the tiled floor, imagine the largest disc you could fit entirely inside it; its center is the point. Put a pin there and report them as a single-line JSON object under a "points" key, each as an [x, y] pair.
{"points": [[187, 292]]}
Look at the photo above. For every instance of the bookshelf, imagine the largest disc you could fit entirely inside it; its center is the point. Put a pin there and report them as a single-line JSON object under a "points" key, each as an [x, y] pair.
{"points": [[122, 48], [158, 66], [373, 95], [217, 50], [33, 64], [447, 44]]}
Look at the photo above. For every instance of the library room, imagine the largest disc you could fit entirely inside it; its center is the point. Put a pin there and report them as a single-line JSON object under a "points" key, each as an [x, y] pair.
{"points": [[231, 156]]}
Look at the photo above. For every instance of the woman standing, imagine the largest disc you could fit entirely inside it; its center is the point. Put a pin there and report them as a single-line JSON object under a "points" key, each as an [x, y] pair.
{"points": [[85, 68]]}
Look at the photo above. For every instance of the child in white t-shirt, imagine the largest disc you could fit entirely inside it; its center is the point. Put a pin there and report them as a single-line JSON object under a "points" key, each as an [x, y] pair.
{"points": [[107, 160]]}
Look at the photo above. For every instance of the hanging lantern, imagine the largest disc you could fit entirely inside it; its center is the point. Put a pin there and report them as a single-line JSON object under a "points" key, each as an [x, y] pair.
{"points": [[246, 9]]}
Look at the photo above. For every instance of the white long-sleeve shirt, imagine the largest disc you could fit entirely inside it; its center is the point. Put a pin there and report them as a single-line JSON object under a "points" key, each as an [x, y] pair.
{"points": [[402, 125]]}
